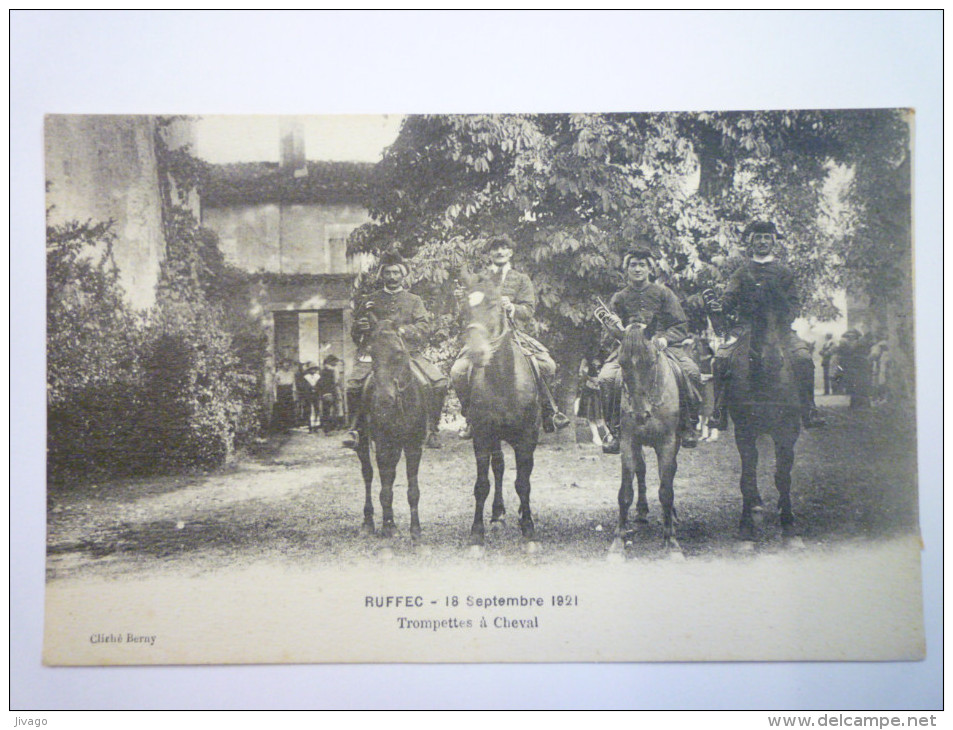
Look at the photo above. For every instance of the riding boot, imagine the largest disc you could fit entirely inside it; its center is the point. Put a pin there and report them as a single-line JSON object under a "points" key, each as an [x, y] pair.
{"points": [[354, 406], [613, 417], [689, 430], [719, 413]]}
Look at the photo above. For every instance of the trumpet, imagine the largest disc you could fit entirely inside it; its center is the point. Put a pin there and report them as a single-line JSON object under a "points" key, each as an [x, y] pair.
{"points": [[608, 319]]}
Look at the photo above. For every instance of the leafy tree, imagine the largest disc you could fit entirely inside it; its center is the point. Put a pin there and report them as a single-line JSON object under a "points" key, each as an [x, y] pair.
{"points": [[573, 190]]}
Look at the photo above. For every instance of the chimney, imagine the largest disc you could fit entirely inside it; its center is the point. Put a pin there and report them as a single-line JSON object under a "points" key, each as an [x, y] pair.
{"points": [[292, 146]]}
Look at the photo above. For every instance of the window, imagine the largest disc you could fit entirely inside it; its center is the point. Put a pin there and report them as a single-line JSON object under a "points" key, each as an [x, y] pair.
{"points": [[338, 261]]}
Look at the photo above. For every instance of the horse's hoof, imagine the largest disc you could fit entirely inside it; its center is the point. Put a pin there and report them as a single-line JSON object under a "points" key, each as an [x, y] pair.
{"points": [[367, 528], [793, 542], [616, 553], [497, 525], [415, 532], [388, 531], [757, 517], [476, 552], [531, 547], [386, 553], [745, 547], [642, 518]]}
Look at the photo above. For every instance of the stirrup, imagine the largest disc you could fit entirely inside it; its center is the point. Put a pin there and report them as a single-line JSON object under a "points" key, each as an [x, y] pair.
{"points": [[351, 440], [560, 420], [610, 444], [718, 419]]}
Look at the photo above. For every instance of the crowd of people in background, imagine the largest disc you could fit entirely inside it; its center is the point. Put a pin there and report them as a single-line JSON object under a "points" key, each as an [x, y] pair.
{"points": [[309, 395], [858, 366]]}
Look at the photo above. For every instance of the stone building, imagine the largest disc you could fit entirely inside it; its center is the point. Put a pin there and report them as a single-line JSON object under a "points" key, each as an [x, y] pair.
{"points": [[286, 224], [104, 167]]}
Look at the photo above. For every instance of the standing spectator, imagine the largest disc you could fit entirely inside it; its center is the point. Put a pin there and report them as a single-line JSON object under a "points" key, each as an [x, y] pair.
{"points": [[852, 359], [283, 415], [308, 396], [827, 354]]}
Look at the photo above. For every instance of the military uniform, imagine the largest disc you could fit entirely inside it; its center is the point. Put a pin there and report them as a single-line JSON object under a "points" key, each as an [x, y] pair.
{"points": [[518, 287], [409, 316], [656, 306], [407, 312], [753, 289]]}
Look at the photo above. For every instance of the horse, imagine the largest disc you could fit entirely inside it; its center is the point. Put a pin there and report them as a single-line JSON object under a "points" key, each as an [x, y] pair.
{"points": [[650, 417], [395, 409], [762, 399], [504, 405]]}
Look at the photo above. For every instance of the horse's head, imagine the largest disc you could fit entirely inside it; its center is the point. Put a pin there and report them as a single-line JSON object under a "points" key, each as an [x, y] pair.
{"points": [[638, 358], [485, 319], [767, 344], [387, 348]]}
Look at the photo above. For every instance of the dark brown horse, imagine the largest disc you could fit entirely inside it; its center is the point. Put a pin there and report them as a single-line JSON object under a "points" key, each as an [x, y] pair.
{"points": [[650, 415], [504, 406], [762, 399], [396, 412]]}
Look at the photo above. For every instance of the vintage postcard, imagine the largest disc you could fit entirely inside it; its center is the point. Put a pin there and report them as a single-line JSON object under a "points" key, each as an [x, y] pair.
{"points": [[578, 387]]}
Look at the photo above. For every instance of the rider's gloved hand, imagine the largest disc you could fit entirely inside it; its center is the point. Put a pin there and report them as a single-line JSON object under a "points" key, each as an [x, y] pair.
{"points": [[508, 306], [660, 342]]}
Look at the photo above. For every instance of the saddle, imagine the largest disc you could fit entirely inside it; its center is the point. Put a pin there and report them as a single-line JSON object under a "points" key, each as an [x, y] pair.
{"points": [[687, 393]]}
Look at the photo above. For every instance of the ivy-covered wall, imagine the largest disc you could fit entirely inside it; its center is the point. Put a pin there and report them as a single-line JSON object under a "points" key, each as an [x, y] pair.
{"points": [[103, 168]]}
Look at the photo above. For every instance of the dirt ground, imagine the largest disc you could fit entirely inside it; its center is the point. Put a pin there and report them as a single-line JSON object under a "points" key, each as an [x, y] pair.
{"points": [[298, 499]]}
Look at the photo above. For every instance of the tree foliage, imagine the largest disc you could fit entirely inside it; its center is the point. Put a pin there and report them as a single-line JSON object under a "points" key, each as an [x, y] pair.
{"points": [[573, 190]]}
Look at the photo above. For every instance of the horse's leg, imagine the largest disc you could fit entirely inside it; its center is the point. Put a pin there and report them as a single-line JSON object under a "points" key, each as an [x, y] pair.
{"points": [[784, 463], [367, 471], [667, 453], [642, 504], [387, 458], [630, 453], [481, 489], [497, 464], [412, 456], [751, 505], [524, 467]]}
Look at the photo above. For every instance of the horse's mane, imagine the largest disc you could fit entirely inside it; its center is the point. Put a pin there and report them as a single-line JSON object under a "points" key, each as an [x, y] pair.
{"points": [[632, 339]]}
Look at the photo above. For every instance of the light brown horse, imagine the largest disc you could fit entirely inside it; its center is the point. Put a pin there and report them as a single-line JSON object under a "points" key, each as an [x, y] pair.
{"points": [[504, 405], [650, 417]]}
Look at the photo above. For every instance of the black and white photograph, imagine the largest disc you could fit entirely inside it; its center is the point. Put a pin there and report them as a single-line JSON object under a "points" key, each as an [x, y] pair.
{"points": [[476, 359], [482, 378]]}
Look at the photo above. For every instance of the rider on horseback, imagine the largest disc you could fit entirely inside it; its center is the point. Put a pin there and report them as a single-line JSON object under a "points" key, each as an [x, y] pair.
{"points": [[409, 316], [519, 302], [761, 282], [655, 305]]}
